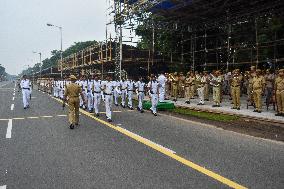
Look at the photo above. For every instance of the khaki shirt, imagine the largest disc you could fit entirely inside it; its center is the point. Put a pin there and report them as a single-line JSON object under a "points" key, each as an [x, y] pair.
{"points": [[73, 90], [258, 82], [236, 81], [279, 84]]}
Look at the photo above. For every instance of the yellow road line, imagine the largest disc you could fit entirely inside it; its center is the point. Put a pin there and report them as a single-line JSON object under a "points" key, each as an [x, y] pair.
{"points": [[167, 153]]}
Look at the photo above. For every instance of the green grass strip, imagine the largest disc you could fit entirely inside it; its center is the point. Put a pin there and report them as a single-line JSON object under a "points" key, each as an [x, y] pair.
{"points": [[205, 115]]}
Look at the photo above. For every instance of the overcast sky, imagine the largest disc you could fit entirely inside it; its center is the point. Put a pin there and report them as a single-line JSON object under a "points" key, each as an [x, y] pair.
{"points": [[23, 28]]}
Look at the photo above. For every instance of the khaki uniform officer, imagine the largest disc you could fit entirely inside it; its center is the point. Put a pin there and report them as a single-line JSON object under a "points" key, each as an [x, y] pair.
{"points": [[258, 84], [175, 81], [279, 92], [72, 93], [181, 85], [236, 89], [187, 88], [217, 85]]}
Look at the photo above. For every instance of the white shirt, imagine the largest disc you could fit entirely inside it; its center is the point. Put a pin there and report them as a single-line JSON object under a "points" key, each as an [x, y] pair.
{"points": [[25, 83], [108, 87], [123, 85], [97, 86], [130, 85], [162, 80], [140, 85], [153, 85], [85, 85]]}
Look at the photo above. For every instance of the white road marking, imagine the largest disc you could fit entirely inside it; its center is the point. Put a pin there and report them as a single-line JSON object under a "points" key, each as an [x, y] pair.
{"points": [[33, 117], [19, 118], [12, 107], [46, 116], [4, 119], [61, 115], [171, 151], [13, 98], [14, 94], [3, 187], [9, 129]]}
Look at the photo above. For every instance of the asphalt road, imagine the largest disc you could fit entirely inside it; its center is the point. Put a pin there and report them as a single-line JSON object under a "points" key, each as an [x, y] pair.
{"points": [[38, 150]]}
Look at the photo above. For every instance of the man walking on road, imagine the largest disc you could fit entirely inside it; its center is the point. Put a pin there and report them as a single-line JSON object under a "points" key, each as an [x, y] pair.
{"points": [[72, 93], [26, 91]]}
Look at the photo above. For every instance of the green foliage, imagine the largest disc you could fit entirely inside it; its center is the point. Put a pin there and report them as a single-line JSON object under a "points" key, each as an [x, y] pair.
{"points": [[55, 56]]}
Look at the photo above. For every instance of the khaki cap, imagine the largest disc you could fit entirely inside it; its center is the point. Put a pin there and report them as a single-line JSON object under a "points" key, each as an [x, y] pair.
{"points": [[73, 77]]}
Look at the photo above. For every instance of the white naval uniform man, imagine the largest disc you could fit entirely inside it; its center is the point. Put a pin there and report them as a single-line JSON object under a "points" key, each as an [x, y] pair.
{"points": [[108, 87], [123, 89], [90, 96], [130, 89], [97, 94], [153, 87], [85, 89], [116, 92], [140, 86], [162, 89], [26, 91]]}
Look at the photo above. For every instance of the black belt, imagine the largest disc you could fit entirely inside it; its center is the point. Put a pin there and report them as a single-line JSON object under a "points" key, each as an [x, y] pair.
{"points": [[236, 86], [131, 90], [97, 92], [26, 88], [107, 94]]}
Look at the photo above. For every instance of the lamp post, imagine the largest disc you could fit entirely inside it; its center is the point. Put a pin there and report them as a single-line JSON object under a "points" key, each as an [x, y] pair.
{"points": [[61, 59], [40, 69]]}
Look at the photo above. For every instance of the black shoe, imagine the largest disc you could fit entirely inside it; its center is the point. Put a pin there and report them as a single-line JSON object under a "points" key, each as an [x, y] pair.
{"points": [[255, 111], [131, 108], [98, 115], [142, 111], [71, 126], [90, 111], [109, 120], [258, 111], [116, 104], [77, 124], [25, 108], [278, 114], [206, 99], [238, 108], [155, 114], [233, 108], [214, 105]]}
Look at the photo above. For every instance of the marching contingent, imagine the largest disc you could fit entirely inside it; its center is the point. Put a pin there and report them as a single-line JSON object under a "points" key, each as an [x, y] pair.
{"points": [[254, 83]]}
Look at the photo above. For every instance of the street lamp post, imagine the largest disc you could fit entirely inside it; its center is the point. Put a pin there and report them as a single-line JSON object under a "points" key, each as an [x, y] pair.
{"points": [[61, 59], [40, 63]]}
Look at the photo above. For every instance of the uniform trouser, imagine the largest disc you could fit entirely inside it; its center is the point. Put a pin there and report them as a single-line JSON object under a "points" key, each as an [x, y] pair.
{"points": [[97, 101], [73, 103], [129, 97], [181, 91], [55, 92], [61, 93], [268, 95], [167, 91], [200, 92], [115, 97], [154, 101], [249, 93], [108, 101], [217, 95], [187, 93], [206, 91], [162, 94], [236, 94], [85, 97], [123, 97], [280, 100], [90, 98], [257, 97], [141, 96], [191, 92], [26, 97], [175, 91]]}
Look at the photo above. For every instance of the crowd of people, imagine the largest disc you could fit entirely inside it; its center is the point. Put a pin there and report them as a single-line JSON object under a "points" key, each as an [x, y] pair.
{"points": [[256, 84]]}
